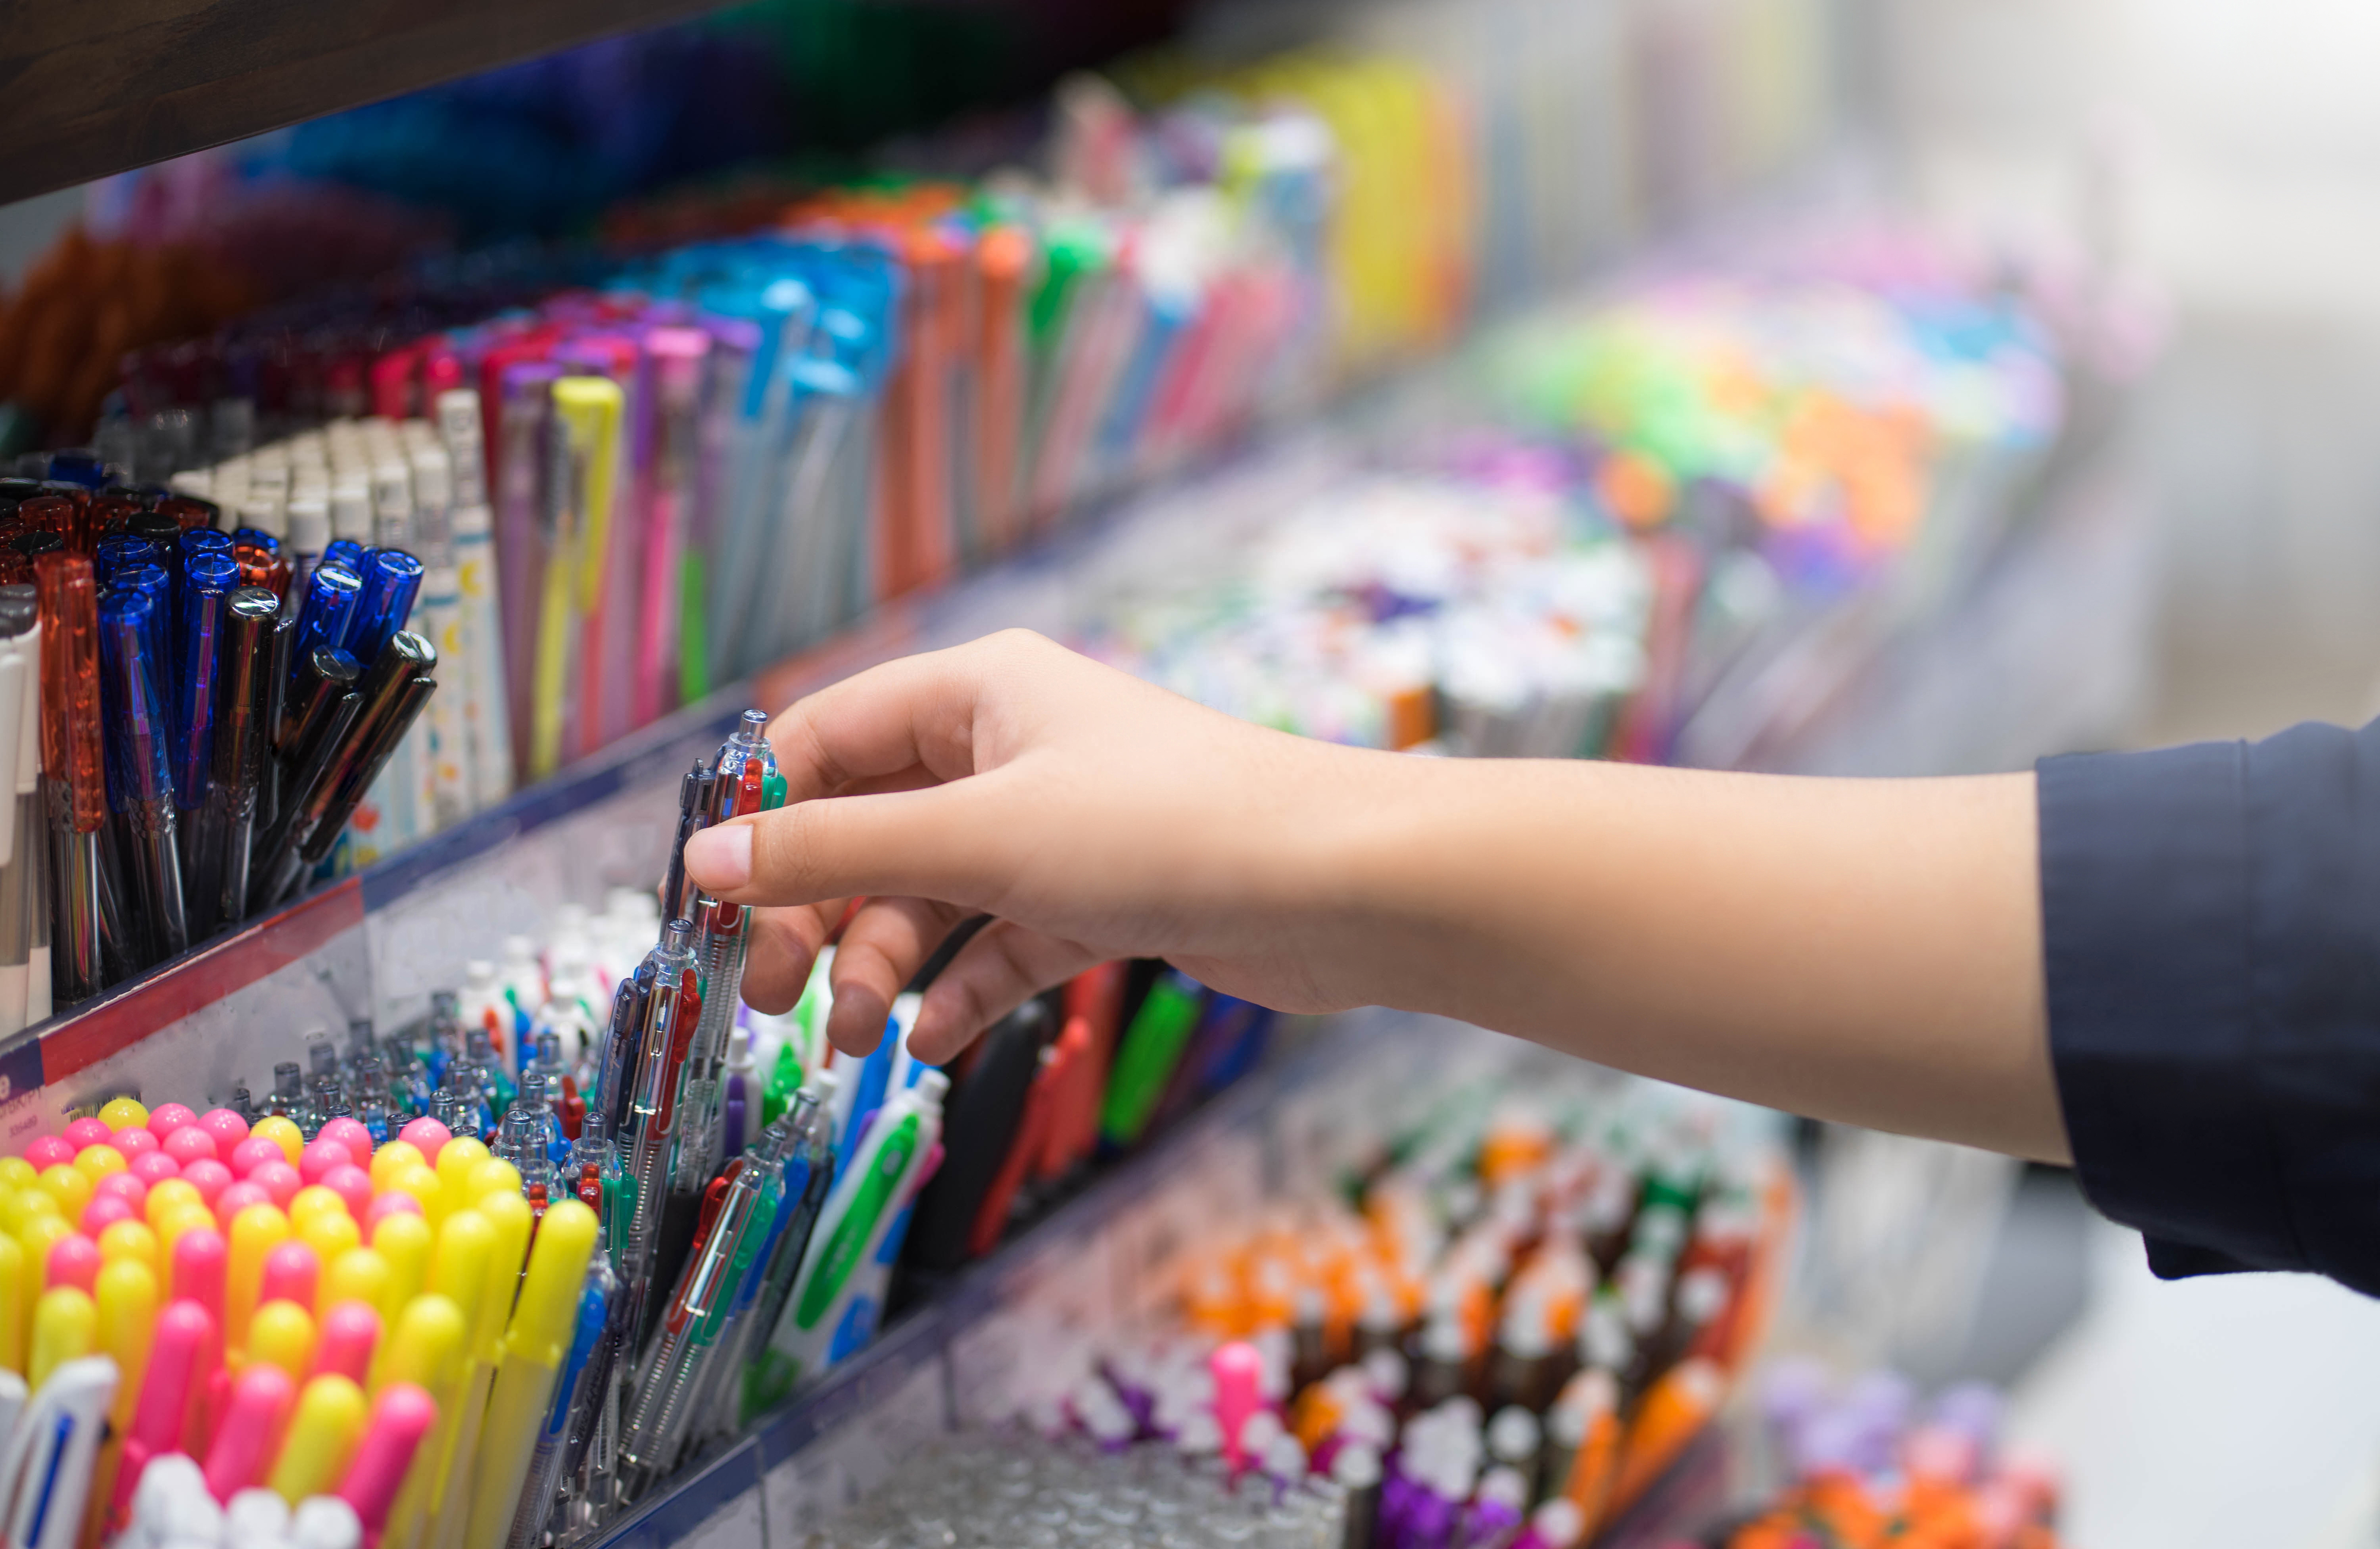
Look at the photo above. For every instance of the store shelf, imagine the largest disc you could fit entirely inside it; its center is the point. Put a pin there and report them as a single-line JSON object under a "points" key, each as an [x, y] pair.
{"points": [[99, 89]]}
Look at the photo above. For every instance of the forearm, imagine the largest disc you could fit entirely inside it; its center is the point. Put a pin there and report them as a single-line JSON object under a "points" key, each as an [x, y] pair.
{"points": [[1867, 951]]}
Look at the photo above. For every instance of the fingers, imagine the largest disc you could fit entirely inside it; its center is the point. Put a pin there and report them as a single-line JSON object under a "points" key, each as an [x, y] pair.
{"points": [[998, 972], [919, 711], [784, 943], [881, 952], [937, 843]]}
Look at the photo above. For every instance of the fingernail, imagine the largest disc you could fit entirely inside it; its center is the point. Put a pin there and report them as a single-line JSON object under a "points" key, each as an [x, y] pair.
{"points": [[856, 1025], [720, 860]]}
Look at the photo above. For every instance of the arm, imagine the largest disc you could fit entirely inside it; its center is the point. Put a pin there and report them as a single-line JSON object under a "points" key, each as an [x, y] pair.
{"points": [[1867, 951]]}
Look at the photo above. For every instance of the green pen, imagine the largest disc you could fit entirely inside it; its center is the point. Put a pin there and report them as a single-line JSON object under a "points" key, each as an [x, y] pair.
{"points": [[1145, 1059]]}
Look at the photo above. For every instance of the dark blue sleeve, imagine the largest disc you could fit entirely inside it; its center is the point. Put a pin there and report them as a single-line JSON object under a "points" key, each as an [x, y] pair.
{"points": [[2211, 930]]}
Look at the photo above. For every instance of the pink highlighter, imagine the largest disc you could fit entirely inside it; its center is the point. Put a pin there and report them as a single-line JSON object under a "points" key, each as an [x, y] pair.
{"points": [[199, 1263], [1238, 1371], [401, 1415], [350, 1334], [251, 1434], [176, 1373]]}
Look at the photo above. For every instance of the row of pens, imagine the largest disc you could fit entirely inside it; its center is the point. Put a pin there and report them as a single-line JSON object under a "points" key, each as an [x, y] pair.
{"points": [[489, 1279], [1501, 1329], [194, 716]]}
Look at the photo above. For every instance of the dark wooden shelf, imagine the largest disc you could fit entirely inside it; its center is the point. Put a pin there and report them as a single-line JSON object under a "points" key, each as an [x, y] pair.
{"points": [[93, 87]]}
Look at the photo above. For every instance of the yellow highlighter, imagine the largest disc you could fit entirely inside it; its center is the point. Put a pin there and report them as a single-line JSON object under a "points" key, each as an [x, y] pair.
{"points": [[458, 1160], [128, 1239], [282, 1334], [425, 1349], [587, 416], [393, 1159], [358, 1274], [322, 1438], [13, 1305], [508, 1215], [126, 1295], [459, 1272], [494, 1176], [255, 1232], [403, 1243], [427, 1191], [329, 1234], [534, 1345], [35, 1236], [66, 1327]]}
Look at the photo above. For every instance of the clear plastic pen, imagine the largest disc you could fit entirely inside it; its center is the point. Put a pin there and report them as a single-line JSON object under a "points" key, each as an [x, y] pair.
{"points": [[652, 1107]]}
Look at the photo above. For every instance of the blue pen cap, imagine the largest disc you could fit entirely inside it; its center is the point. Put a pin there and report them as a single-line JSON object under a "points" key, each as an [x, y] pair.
{"points": [[257, 536], [120, 553], [344, 551], [392, 579], [206, 596], [153, 585], [328, 614], [136, 733]]}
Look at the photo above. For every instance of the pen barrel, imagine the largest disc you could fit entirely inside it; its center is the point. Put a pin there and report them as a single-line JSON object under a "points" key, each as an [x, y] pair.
{"points": [[157, 873], [661, 1398], [279, 642], [76, 963], [238, 749]]}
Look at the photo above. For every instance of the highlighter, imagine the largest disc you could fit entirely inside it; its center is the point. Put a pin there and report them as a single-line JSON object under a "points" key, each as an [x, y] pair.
{"points": [[13, 1307], [252, 1430], [404, 1244], [255, 1232], [401, 1417], [425, 1350], [509, 1219], [282, 1335], [358, 1274], [1151, 1047], [323, 1438], [184, 1331], [66, 1327], [350, 1336], [534, 1345]]}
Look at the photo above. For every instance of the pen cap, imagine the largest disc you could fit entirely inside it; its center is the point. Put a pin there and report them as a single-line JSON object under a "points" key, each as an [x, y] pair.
{"points": [[249, 1435], [392, 579], [327, 615], [548, 1293], [401, 1415], [70, 700], [323, 1437], [137, 769]]}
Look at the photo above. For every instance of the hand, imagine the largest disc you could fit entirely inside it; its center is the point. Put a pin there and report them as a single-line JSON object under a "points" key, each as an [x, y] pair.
{"points": [[1093, 816]]}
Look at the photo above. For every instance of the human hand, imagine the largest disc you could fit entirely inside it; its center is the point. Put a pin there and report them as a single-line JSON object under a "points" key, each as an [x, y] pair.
{"points": [[1094, 816]]}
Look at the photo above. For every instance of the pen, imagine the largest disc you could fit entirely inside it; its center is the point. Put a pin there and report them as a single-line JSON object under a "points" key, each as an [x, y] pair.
{"points": [[390, 581], [402, 1414], [693, 811], [58, 1440], [143, 784], [71, 769], [332, 778], [24, 890], [672, 582], [275, 686], [326, 617], [324, 1435], [206, 597], [746, 781], [325, 676], [576, 521], [808, 1178], [674, 1007], [672, 1380], [477, 1445], [239, 749], [250, 1434]]}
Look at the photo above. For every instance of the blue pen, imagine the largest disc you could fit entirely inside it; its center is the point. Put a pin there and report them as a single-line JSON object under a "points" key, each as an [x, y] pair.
{"points": [[344, 551], [392, 579], [154, 583], [206, 593], [868, 1094], [257, 536], [327, 615], [120, 553], [140, 784]]}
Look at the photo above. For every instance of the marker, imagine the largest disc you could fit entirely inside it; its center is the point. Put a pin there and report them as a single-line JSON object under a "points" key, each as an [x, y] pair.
{"points": [[534, 1347], [579, 1390], [401, 1415], [251, 1434], [323, 1436]]}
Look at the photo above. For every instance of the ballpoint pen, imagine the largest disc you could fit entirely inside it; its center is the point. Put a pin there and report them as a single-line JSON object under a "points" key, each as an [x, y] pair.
{"points": [[694, 803], [230, 816], [809, 1176], [278, 645], [151, 583], [143, 787], [615, 1068], [744, 780], [335, 776], [392, 580], [206, 600], [325, 676], [326, 618], [71, 768], [49, 1465], [673, 1012], [671, 1377]]}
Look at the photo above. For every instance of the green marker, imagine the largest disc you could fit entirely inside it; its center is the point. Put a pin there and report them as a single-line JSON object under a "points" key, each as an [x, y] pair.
{"points": [[1145, 1059]]}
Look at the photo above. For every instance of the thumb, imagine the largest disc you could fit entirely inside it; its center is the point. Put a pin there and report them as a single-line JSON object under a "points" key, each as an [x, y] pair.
{"points": [[925, 844]]}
